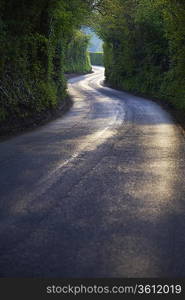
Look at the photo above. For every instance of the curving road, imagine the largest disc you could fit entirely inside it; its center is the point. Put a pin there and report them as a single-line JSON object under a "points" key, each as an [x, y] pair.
{"points": [[99, 192]]}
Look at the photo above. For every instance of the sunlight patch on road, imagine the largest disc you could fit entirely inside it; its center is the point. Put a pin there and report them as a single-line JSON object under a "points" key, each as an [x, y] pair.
{"points": [[90, 143], [154, 191]]}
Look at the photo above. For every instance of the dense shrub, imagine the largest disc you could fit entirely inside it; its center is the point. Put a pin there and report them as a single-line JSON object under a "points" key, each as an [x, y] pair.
{"points": [[77, 58], [96, 58], [144, 49], [34, 38]]}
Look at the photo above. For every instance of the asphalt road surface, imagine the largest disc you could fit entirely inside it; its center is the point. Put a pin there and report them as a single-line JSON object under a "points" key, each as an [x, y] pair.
{"points": [[99, 192]]}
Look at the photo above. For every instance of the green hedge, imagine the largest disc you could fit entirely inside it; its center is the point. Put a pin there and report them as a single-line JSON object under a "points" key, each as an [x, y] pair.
{"points": [[97, 58], [77, 58], [34, 38], [144, 48]]}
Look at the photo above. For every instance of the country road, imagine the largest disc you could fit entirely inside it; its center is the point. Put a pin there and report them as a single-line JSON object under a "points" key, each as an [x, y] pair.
{"points": [[99, 192]]}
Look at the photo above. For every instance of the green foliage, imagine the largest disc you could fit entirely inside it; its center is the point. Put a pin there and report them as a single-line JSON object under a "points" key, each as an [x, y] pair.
{"points": [[144, 49], [96, 58], [77, 57], [34, 38]]}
